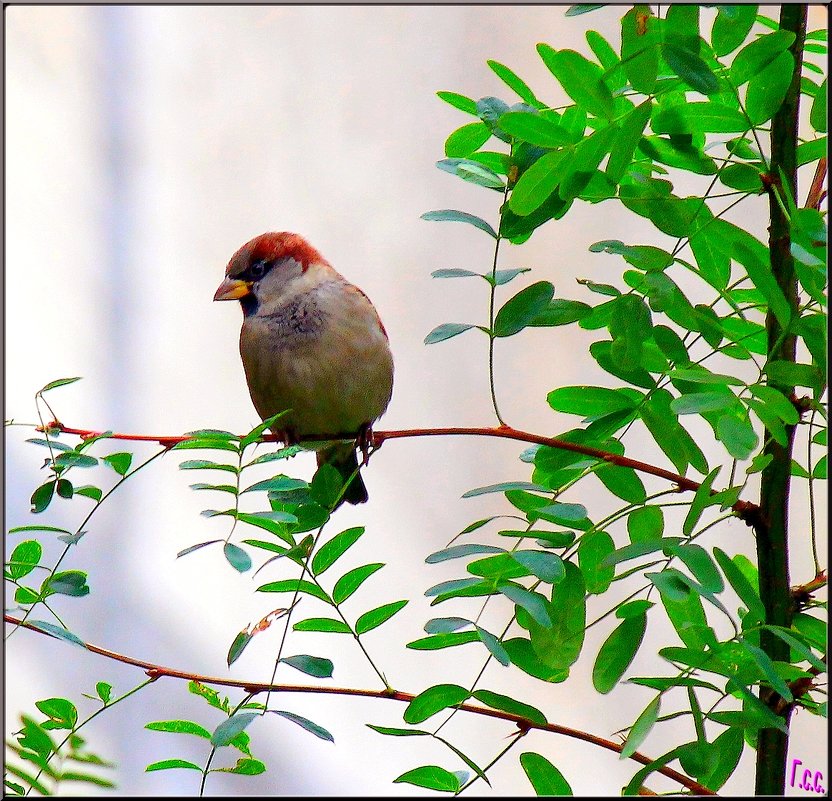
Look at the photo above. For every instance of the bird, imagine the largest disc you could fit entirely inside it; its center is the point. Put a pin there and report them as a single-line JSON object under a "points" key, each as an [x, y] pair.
{"points": [[313, 345]]}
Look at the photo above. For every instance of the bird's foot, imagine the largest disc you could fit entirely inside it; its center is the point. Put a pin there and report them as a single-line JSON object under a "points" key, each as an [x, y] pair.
{"points": [[365, 442], [289, 436]]}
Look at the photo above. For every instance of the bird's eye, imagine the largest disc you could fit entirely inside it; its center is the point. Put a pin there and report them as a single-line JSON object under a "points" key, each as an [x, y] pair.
{"points": [[259, 269]]}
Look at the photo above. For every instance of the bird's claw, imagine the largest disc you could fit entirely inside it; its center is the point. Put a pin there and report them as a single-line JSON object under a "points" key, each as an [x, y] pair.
{"points": [[365, 442]]}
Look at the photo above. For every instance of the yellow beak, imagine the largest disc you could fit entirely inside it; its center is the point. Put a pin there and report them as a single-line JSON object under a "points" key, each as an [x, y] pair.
{"points": [[232, 289]]}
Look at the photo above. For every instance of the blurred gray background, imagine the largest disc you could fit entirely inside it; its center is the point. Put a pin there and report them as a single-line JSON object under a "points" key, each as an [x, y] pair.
{"points": [[144, 145]]}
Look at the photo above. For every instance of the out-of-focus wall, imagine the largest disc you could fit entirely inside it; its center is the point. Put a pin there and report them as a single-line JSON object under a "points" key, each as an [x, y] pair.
{"points": [[143, 146]]}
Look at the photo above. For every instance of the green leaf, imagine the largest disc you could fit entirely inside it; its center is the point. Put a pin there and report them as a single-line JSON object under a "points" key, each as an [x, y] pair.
{"points": [[451, 586], [644, 257], [104, 691], [629, 135], [58, 382], [245, 767], [803, 650], [670, 584], [699, 402], [324, 624], [645, 523], [352, 580], [575, 11], [504, 276], [534, 603], [521, 310], [791, 374], [593, 551], [703, 376], [196, 547], [538, 182], [168, 764], [466, 140], [375, 617], [441, 625], [229, 729], [205, 464], [334, 549], [278, 484], [581, 79], [623, 482], [769, 670], [545, 778], [237, 647], [731, 26], [690, 68], [505, 486], [633, 609], [507, 704], [817, 116], [392, 731], [640, 40], [559, 645], [25, 557], [630, 324], [757, 55], [454, 272], [641, 728], [451, 215], [534, 129], [444, 640], [728, 748], [431, 777], [513, 82], [738, 436], [57, 631], [305, 723], [237, 557], [179, 727], [548, 567], [295, 585], [617, 652], [446, 331], [459, 101], [767, 88], [458, 551], [433, 700], [60, 711], [699, 118], [316, 666], [494, 645], [42, 496], [701, 565], [589, 401], [206, 444], [561, 312], [68, 582], [120, 462]]}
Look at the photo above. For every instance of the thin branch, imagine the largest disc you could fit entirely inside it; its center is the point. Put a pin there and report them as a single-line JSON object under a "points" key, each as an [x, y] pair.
{"points": [[155, 671], [816, 191], [745, 510]]}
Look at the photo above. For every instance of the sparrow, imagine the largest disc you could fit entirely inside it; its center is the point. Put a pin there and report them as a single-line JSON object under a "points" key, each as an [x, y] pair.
{"points": [[313, 345]]}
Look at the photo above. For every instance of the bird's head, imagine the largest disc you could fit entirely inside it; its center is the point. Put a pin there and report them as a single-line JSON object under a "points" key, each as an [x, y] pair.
{"points": [[263, 268]]}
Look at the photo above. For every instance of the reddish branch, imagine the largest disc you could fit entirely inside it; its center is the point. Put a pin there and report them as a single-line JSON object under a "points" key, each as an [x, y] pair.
{"points": [[524, 724], [816, 192], [745, 510]]}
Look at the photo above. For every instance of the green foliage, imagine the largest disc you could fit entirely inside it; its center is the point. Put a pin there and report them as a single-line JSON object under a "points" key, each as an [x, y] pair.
{"points": [[681, 358]]}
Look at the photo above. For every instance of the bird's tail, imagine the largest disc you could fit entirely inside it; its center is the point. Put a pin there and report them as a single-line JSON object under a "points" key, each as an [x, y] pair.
{"points": [[345, 460]]}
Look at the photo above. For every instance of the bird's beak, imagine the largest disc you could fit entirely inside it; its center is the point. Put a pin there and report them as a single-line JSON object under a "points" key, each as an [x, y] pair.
{"points": [[232, 289]]}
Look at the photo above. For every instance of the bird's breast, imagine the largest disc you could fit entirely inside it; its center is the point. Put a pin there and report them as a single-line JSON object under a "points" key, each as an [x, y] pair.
{"points": [[321, 354]]}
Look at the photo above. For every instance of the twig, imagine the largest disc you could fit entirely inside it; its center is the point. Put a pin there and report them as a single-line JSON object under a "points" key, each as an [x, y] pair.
{"points": [[746, 511], [155, 671]]}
